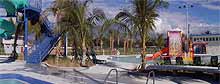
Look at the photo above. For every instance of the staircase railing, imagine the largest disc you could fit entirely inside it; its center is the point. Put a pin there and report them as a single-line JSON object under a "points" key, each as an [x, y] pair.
{"points": [[48, 24], [116, 71], [149, 74], [218, 66], [54, 42], [36, 44]]}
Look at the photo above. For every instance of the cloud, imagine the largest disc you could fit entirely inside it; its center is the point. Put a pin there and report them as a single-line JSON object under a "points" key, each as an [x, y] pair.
{"points": [[210, 4], [167, 20], [213, 7], [171, 20], [2, 12], [110, 7], [46, 3]]}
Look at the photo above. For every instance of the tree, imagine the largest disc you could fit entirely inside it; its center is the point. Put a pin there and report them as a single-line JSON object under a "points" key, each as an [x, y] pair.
{"points": [[102, 24], [33, 28], [17, 32], [72, 18], [143, 16], [160, 41]]}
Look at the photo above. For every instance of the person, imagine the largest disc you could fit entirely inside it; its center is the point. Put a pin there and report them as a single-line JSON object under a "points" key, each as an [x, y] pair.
{"points": [[114, 51], [80, 53], [87, 53], [93, 54], [118, 52], [74, 54]]}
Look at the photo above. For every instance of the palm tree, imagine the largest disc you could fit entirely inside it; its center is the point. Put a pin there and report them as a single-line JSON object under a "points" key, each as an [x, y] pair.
{"points": [[33, 28], [104, 27], [73, 19], [98, 18], [17, 32], [143, 16], [112, 35], [160, 41]]}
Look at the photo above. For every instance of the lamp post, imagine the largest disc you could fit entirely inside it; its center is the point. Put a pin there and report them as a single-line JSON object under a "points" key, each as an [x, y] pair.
{"points": [[187, 6], [66, 44]]}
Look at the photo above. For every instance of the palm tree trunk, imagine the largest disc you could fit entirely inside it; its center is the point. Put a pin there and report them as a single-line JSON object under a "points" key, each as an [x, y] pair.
{"points": [[14, 54], [125, 46], [58, 52], [84, 51], [101, 46], [143, 62], [110, 42], [118, 41], [131, 45], [113, 41]]}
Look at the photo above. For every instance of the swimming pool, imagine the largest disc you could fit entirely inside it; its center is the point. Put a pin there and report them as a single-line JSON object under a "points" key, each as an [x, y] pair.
{"points": [[12, 81], [19, 79], [137, 59], [130, 59]]}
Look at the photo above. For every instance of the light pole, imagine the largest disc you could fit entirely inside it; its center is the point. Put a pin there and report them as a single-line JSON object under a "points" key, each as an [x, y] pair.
{"points": [[66, 44], [187, 6]]}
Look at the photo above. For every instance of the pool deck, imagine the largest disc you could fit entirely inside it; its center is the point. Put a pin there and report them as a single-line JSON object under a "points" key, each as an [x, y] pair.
{"points": [[91, 75], [22, 69], [207, 69]]}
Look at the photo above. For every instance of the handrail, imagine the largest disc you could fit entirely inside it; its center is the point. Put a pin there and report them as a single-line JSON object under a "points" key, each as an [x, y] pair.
{"points": [[219, 67], [116, 71], [149, 74]]}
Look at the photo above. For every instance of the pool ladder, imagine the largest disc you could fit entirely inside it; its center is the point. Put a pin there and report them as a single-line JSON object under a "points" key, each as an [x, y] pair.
{"points": [[219, 67], [116, 71], [149, 75]]}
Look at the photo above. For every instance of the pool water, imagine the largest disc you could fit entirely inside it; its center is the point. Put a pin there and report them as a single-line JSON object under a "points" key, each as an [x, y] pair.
{"points": [[11, 78], [130, 59], [11, 81]]}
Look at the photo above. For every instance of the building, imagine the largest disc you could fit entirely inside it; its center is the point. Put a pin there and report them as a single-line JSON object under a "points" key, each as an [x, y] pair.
{"points": [[210, 43], [8, 45]]}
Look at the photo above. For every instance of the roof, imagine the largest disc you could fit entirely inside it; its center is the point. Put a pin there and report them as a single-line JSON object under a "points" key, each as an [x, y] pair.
{"points": [[204, 34]]}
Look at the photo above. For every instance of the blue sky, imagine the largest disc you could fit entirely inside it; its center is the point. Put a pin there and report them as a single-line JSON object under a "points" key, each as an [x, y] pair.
{"points": [[205, 15]]}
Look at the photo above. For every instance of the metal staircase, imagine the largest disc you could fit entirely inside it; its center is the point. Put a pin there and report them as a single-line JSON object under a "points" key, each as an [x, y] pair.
{"points": [[44, 47], [149, 76], [109, 73]]}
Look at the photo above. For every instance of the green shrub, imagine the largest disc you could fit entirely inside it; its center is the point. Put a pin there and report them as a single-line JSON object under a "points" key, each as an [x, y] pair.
{"points": [[179, 60], [197, 61], [214, 60], [167, 60]]}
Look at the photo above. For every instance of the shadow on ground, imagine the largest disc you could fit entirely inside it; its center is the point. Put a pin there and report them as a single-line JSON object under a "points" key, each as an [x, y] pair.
{"points": [[8, 60]]}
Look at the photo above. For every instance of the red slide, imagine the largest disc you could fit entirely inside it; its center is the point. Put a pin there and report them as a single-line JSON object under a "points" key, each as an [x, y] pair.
{"points": [[157, 54]]}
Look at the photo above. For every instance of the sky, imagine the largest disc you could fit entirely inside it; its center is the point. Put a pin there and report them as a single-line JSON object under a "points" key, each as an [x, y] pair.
{"points": [[203, 16]]}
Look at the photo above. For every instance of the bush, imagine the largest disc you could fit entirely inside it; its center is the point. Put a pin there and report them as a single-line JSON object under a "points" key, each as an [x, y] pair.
{"points": [[197, 60], [179, 60], [214, 60], [167, 60]]}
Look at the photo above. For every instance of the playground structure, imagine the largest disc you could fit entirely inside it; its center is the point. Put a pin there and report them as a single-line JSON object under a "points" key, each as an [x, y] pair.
{"points": [[30, 11], [174, 49]]}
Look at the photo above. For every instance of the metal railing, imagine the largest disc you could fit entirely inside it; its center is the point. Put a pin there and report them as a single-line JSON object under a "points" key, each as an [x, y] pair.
{"points": [[218, 66], [116, 71], [149, 74]]}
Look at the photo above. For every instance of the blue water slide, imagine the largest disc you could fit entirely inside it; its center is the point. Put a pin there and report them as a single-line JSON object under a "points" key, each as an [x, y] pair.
{"points": [[32, 10], [41, 49]]}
